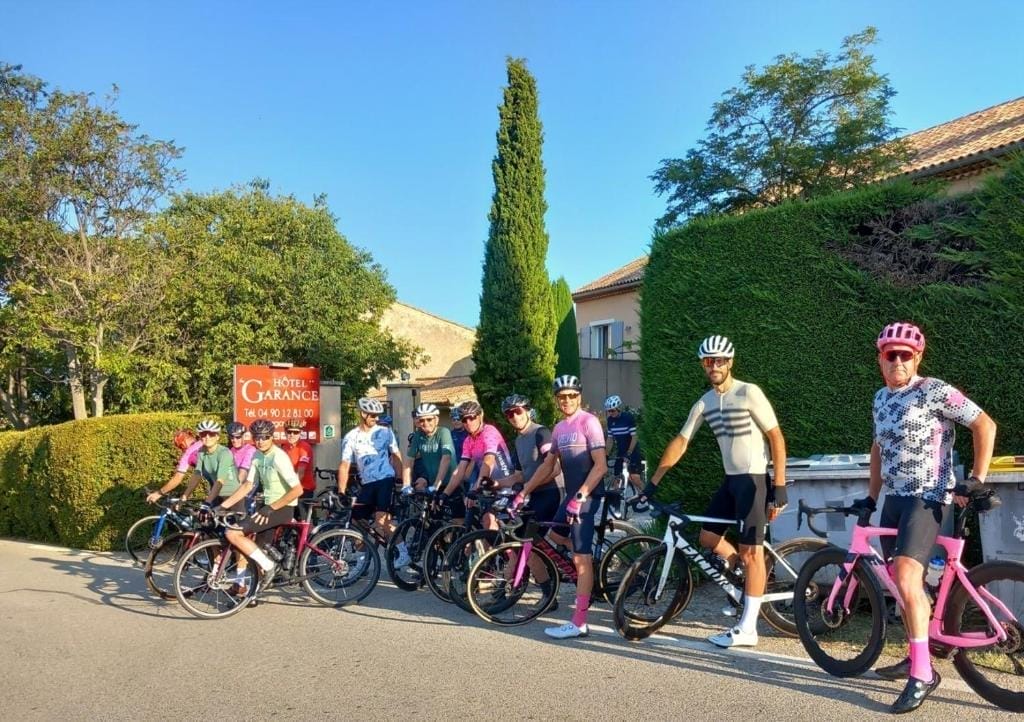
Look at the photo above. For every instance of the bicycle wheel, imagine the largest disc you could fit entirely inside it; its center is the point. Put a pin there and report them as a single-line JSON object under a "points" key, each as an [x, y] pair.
{"points": [[496, 596], [460, 559], [844, 641], [995, 672], [339, 567], [209, 582], [639, 609], [617, 559], [142, 538], [159, 569], [411, 531], [435, 569], [782, 569]]}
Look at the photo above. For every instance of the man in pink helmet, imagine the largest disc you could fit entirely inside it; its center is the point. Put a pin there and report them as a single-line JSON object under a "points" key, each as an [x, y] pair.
{"points": [[912, 455]]}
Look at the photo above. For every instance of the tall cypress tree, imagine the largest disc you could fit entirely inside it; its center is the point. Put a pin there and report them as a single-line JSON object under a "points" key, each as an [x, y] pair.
{"points": [[567, 349], [515, 341]]}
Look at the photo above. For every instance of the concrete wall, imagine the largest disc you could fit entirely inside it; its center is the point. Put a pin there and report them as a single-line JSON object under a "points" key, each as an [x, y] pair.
{"points": [[603, 377], [624, 307], [449, 345]]}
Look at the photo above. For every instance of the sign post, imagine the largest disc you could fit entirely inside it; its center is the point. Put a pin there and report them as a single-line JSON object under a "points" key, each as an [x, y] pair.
{"points": [[279, 392]]}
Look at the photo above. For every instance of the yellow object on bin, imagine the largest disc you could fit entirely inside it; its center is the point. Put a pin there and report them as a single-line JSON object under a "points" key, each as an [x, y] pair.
{"points": [[1006, 463]]}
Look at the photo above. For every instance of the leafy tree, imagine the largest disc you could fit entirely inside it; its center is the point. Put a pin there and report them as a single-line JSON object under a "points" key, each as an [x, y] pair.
{"points": [[798, 128], [514, 347], [264, 278], [81, 287], [567, 349]]}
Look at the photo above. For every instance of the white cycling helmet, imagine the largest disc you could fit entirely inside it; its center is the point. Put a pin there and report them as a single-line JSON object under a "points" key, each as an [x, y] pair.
{"points": [[716, 347], [208, 425], [612, 402], [567, 382], [425, 410], [371, 406]]}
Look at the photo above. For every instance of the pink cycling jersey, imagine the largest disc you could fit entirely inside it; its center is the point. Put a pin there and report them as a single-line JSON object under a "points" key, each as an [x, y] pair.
{"points": [[488, 441], [189, 457], [243, 456]]}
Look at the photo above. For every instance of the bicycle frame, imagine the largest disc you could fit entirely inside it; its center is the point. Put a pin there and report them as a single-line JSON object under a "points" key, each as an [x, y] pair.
{"points": [[860, 548], [544, 547]]}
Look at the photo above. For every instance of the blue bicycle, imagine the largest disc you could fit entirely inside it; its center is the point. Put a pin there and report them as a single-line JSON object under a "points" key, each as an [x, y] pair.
{"points": [[148, 533]]}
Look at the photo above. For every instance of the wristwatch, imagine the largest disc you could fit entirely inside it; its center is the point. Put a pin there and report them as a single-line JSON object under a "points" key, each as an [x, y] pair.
{"points": [[581, 497]]}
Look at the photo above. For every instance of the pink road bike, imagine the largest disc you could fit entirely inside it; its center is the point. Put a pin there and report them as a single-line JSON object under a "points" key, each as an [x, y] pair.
{"points": [[843, 604]]}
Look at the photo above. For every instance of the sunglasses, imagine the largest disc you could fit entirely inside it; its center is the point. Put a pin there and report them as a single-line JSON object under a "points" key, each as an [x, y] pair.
{"points": [[206, 434], [293, 431], [892, 356], [469, 417], [512, 413], [710, 363], [263, 437], [567, 397], [370, 416], [237, 437]]}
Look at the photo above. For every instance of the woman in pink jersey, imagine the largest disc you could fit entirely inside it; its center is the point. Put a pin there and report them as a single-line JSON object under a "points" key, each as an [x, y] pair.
{"points": [[189, 445]]}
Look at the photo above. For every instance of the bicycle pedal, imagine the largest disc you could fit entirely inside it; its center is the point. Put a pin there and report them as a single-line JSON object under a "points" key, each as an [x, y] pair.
{"points": [[940, 650]]}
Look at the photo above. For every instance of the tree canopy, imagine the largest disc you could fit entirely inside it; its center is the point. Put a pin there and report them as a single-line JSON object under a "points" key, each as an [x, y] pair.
{"points": [[800, 127], [567, 349]]}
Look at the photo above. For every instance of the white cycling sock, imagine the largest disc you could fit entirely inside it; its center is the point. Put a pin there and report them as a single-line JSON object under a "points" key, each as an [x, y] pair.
{"points": [[260, 557], [403, 549], [751, 608]]}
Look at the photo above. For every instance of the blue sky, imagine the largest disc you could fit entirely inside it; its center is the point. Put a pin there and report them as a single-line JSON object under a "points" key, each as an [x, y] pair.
{"points": [[391, 108]]}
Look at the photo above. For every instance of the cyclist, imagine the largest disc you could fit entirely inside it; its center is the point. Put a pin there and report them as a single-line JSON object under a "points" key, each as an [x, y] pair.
{"points": [[374, 451], [622, 430], [458, 432], [532, 445], [578, 445], [745, 426], [431, 445], [273, 470], [300, 453], [911, 455], [215, 464], [484, 452], [241, 452], [189, 446]]}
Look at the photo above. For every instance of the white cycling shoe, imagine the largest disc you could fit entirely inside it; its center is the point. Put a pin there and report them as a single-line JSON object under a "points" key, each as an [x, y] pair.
{"points": [[403, 560], [567, 631], [734, 637]]}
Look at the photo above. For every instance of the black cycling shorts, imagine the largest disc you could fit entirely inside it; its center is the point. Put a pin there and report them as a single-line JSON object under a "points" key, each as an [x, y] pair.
{"points": [[918, 522], [373, 497], [742, 497], [544, 502], [635, 465], [265, 532], [581, 532]]}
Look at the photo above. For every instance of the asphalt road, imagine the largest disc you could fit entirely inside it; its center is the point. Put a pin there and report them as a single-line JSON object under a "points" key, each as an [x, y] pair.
{"points": [[81, 638]]}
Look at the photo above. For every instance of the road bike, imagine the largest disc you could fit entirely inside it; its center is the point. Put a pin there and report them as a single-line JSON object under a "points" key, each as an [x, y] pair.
{"points": [[659, 585], [145, 535], [842, 617], [336, 567]]}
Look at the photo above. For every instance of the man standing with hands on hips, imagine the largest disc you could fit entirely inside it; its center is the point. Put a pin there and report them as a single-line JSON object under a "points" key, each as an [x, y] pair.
{"points": [[745, 426]]}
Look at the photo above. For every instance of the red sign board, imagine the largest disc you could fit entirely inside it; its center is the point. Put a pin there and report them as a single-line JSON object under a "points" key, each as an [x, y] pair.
{"points": [[279, 393]]}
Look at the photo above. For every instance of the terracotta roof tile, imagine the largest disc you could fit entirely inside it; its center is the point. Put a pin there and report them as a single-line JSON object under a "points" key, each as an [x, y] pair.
{"points": [[446, 390], [986, 130], [629, 275]]}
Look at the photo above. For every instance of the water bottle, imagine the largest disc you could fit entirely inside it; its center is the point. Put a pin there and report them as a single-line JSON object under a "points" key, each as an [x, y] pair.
{"points": [[289, 555], [272, 551], [936, 567]]}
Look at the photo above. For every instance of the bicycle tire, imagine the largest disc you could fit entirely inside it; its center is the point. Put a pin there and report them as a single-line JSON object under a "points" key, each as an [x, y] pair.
{"points": [[638, 613], [781, 577], [843, 643], [996, 672], [460, 558], [492, 594], [204, 576], [159, 569], [435, 569], [139, 540], [410, 531], [351, 574], [619, 557]]}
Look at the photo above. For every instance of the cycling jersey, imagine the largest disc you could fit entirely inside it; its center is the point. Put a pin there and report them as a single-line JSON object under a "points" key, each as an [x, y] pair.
{"points": [[218, 465], [371, 452], [243, 456], [488, 441], [458, 436], [622, 428], [739, 419], [189, 457], [531, 446], [914, 430], [575, 437], [302, 453], [275, 473], [430, 449]]}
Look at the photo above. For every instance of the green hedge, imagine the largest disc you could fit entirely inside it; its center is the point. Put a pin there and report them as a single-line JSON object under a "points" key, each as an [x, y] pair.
{"points": [[79, 483], [804, 321]]}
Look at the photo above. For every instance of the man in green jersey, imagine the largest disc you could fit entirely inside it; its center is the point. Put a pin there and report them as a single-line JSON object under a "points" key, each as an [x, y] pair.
{"points": [[432, 446]]}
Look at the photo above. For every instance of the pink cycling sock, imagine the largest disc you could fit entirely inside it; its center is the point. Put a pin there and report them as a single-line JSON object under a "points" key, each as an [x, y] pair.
{"points": [[920, 660], [579, 617]]}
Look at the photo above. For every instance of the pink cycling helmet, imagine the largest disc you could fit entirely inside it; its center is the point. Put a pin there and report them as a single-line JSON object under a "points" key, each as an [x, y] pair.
{"points": [[903, 334]]}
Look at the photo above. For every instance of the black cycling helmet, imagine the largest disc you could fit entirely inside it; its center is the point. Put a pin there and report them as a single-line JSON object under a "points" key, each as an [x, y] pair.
{"points": [[262, 428], [514, 401], [236, 428], [470, 408]]}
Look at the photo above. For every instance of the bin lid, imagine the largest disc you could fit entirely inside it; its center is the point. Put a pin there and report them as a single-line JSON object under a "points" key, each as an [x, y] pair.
{"points": [[829, 462], [1006, 463]]}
